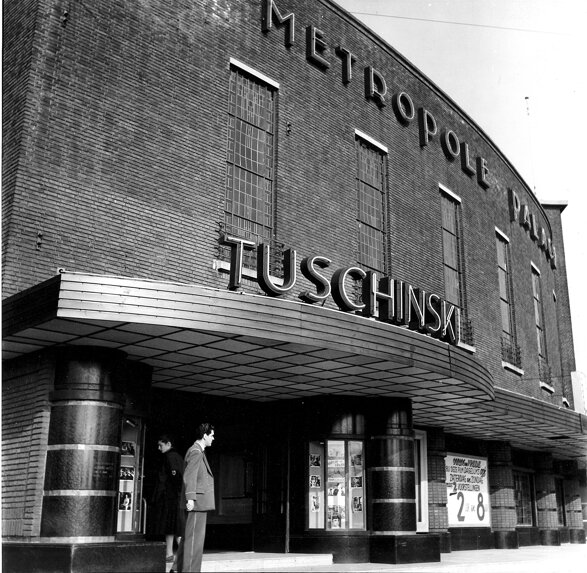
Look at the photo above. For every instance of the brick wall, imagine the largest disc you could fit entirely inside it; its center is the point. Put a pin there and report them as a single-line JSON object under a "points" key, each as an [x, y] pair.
{"points": [[501, 487], [19, 20], [573, 509], [122, 161], [25, 424], [563, 309], [437, 500], [546, 509]]}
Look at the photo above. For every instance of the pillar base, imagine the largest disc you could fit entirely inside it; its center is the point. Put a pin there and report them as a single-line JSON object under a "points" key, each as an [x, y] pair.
{"points": [[577, 536], [344, 548], [39, 557], [424, 548], [550, 537], [506, 539], [445, 542], [470, 538]]}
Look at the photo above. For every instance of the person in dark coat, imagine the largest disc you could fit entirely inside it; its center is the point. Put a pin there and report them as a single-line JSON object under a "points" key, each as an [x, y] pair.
{"points": [[167, 520]]}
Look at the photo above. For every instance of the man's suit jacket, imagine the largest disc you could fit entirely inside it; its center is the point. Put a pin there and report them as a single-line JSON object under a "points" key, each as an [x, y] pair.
{"points": [[198, 480]]}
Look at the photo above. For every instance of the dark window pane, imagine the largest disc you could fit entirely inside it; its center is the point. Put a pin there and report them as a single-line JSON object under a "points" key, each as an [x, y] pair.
{"points": [[249, 181], [371, 206]]}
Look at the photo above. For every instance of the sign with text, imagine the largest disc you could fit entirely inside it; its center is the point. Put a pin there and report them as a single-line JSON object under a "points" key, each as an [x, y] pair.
{"points": [[467, 491]]}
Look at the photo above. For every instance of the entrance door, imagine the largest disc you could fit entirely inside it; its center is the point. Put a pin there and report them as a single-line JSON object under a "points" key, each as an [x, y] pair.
{"points": [[271, 499], [230, 526], [235, 488]]}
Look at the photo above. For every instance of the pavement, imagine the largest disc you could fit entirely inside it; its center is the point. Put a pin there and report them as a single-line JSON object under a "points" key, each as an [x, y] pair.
{"points": [[567, 558], [537, 559]]}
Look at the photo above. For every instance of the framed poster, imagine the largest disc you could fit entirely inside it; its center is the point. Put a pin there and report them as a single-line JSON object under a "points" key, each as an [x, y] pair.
{"points": [[316, 486], [467, 491]]}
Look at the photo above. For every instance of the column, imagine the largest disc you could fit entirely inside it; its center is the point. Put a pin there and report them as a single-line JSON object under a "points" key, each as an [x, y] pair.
{"points": [[392, 488], [391, 467], [546, 510], [79, 501], [501, 491]]}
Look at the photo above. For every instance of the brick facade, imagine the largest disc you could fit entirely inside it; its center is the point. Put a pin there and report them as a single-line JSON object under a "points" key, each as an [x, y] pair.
{"points": [[25, 424], [115, 163], [501, 487], [113, 126]]}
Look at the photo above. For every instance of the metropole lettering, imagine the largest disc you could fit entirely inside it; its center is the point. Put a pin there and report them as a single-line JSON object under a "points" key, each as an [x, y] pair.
{"points": [[318, 54], [384, 298]]}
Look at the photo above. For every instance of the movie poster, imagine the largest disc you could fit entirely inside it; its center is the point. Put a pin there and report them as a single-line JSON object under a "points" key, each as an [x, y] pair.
{"points": [[467, 491]]}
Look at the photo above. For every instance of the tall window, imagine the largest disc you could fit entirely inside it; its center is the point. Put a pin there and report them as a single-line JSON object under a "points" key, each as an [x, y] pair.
{"points": [[510, 351], [249, 204], [452, 243], [371, 193], [538, 314], [524, 497]]}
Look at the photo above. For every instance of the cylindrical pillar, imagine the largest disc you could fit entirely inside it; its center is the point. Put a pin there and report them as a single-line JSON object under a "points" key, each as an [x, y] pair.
{"points": [[391, 469], [79, 500]]}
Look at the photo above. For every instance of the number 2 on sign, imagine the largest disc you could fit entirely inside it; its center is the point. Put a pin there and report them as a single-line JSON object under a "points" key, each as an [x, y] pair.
{"points": [[480, 507]]}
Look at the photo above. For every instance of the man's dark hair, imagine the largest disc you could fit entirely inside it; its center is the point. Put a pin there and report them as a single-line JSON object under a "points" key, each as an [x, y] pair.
{"points": [[166, 438], [204, 428]]}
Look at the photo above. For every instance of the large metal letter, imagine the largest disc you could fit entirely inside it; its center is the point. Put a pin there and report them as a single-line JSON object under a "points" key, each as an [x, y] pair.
{"points": [[482, 172], [375, 86], [237, 247], [515, 206], [263, 274], [415, 301], [308, 268], [382, 291], [450, 318], [269, 10], [466, 160], [403, 106], [339, 292], [347, 64], [432, 312], [315, 47], [428, 127]]}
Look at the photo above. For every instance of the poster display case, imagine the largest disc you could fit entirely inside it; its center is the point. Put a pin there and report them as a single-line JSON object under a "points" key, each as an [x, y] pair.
{"points": [[129, 503], [336, 485]]}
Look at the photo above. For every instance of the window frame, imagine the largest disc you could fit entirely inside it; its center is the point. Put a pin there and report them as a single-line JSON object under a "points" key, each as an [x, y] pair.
{"points": [[250, 197], [448, 197], [366, 228], [539, 322], [510, 350], [529, 499]]}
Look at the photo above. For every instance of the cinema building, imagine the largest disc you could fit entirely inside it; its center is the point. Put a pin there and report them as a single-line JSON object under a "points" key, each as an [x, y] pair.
{"points": [[259, 214]]}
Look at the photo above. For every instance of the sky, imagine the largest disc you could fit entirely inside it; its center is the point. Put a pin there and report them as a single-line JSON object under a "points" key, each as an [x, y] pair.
{"points": [[517, 67]]}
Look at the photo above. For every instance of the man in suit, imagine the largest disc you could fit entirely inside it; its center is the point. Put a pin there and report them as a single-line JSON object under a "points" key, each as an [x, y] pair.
{"points": [[198, 498]]}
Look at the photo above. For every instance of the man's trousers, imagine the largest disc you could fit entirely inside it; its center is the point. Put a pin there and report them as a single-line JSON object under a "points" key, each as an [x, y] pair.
{"points": [[191, 548]]}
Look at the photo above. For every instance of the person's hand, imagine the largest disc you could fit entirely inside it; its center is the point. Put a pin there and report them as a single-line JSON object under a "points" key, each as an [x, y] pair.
{"points": [[190, 505]]}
